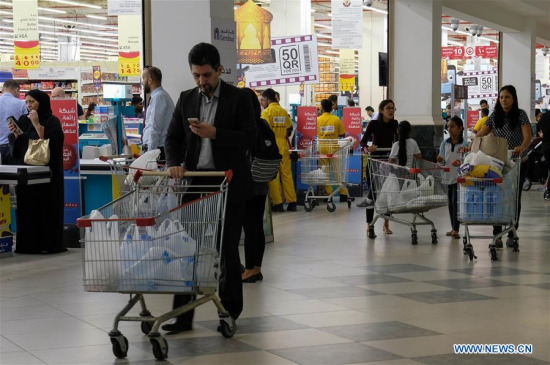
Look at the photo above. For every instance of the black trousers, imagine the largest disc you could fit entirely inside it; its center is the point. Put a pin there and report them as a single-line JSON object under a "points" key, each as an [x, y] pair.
{"points": [[522, 174], [452, 193], [230, 282], [254, 238], [6, 154]]}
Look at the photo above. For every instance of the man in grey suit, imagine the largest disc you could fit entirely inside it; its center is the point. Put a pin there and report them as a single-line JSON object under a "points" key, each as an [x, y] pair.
{"points": [[212, 128]]}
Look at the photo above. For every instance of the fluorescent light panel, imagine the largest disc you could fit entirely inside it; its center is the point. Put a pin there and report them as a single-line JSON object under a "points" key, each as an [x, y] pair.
{"points": [[75, 3], [52, 10], [79, 23], [375, 9], [96, 17]]}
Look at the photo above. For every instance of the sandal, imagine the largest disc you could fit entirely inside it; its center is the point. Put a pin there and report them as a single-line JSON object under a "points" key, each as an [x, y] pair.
{"points": [[387, 230], [450, 233], [456, 235]]}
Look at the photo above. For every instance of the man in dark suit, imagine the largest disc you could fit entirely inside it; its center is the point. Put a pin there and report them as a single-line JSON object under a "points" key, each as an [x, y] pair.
{"points": [[212, 128]]}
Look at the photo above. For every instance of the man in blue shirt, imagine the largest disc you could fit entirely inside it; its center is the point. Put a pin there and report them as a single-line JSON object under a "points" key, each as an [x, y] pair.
{"points": [[10, 106], [158, 113]]}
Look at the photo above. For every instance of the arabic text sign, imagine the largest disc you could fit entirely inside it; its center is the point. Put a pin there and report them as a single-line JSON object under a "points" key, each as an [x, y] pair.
{"points": [[452, 53], [26, 49], [347, 24], [124, 7], [306, 126], [487, 51], [296, 62], [223, 38]]}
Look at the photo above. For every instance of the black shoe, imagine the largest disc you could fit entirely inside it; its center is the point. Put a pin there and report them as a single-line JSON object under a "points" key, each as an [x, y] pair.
{"points": [[547, 195], [250, 279], [177, 327], [291, 207], [510, 241], [277, 208], [259, 276], [498, 243]]}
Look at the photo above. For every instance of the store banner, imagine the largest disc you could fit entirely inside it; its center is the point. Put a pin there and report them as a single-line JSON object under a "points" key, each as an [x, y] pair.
{"points": [[452, 53], [129, 40], [306, 126], [347, 70], [6, 237], [26, 47], [96, 76], [124, 7], [472, 117], [65, 110], [223, 38], [347, 24], [487, 51], [296, 62], [353, 123], [481, 84]]}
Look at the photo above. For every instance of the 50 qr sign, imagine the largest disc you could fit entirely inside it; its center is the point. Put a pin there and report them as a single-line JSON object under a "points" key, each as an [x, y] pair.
{"points": [[290, 60]]}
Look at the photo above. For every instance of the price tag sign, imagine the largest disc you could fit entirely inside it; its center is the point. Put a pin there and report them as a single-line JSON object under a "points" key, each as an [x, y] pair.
{"points": [[290, 60], [486, 83], [26, 49], [452, 53], [129, 45], [26, 55]]}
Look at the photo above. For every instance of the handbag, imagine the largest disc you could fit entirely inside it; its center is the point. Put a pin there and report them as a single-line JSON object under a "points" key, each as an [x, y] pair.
{"points": [[38, 152]]}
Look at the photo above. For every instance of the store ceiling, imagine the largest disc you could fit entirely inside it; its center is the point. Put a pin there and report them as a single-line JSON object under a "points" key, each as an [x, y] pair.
{"points": [[84, 21]]}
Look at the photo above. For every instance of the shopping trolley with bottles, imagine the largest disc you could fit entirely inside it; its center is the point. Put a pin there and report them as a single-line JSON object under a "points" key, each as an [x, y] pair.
{"points": [[490, 202], [148, 242], [403, 190], [325, 164]]}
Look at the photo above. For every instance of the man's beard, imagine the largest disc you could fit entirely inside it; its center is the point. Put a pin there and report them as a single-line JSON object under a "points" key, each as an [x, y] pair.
{"points": [[147, 89]]}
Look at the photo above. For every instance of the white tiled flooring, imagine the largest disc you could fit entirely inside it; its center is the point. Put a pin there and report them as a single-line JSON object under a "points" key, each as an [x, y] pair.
{"points": [[329, 296]]}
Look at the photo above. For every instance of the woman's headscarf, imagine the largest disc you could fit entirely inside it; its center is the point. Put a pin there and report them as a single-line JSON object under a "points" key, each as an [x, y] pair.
{"points": [[44, 108]]}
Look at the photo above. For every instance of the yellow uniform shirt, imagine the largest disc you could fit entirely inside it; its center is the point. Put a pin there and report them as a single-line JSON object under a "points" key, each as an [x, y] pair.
{"points": [[329, 127], [480, 123], [279, 121]]}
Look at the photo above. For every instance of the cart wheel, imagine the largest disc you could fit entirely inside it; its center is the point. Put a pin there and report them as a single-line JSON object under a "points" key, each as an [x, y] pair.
{"points": [[308, 206], [349, 203], [414, 239], [331, 207], [227, 327], [494, 256], [146, 327], [469, 250], [527, 184], [160, 347], [434, 237], [515, 246], [120, 346]]}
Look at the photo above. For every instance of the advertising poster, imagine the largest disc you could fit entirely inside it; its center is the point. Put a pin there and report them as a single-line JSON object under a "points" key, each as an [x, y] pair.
{"points": [[452, 53], [6, 239], [295, 62], [351, 117], [487, 51], [223, 38], [26, 45], [347, 24], [472, 117], [96, 76], [306, 127], [481, 84], [129, 36], [253, 34], [65, 110], [347, 70]]}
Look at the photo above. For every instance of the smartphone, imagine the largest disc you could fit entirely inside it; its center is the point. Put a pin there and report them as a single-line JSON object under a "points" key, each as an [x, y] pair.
{"points": [[193, 120], [14, 122]]}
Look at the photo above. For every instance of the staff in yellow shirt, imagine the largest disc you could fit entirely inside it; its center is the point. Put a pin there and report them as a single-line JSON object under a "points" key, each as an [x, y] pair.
{"points": [[280, 122], [330, 127], [480, 123]]}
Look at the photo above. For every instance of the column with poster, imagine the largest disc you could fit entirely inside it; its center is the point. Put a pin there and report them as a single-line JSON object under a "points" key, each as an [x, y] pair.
{"points": [[352, 120], [66, 111], [223, 38]]}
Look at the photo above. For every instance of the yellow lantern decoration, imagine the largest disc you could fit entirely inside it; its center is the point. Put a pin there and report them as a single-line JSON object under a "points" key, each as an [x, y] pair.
{"points": [[253, 34]]}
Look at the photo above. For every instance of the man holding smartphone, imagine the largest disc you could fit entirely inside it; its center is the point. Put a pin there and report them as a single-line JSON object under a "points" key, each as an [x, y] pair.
{"points": [[10, 106], [212, 128]]}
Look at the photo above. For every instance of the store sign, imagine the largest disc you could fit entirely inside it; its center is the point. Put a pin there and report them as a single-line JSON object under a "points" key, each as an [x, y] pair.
{"points": [[96, 76], [472, 118], [223, 38], [124, 7], [65, 110], [306, 127], [129, 40], [6, 237], [353, 123], [26, 48], [481, 84], [347, 70], [487, 51], [452, 53], [347, 24], [295, 62]]}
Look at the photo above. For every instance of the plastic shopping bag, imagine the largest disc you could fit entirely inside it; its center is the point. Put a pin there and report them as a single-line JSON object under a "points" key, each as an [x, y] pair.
{"points": [[408, 192], [147, 161], [135, 245], [426, 185], [389, 193]]}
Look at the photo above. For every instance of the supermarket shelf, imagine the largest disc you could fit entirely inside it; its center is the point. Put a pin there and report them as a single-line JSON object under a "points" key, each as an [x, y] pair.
{"points": [[66, 90], [91, 94], [89, 82]]}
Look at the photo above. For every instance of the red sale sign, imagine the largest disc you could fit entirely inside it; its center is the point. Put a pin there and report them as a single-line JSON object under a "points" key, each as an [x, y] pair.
{"points": [[353, 123], [487, 51], [306, 129], [452, 53], [473, 117]]}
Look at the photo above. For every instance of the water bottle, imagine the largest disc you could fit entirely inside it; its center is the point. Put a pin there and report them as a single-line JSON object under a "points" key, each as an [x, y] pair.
{"points": [[474, 203], [492, 201]]}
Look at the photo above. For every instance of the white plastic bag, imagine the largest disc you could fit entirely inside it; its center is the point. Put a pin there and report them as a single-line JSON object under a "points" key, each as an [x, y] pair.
{"points": [[135, 245], [426, 185], [147, 161], [389, 193], [408, 192]]}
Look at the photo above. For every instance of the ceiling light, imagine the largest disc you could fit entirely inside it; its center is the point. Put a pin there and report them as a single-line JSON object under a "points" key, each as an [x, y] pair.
{"points": [[79, 23], [48, 38], [6, 12], [322, 25], [321, 35], [77, 36], [375, 10], [6, 3], [78, 30], [75, 3], [333, 52], [52, 10], [324, 44], [96, 17]]}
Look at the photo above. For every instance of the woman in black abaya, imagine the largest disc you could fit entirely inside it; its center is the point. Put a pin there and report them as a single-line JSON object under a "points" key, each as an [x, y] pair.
{"points": [[39, 207]]}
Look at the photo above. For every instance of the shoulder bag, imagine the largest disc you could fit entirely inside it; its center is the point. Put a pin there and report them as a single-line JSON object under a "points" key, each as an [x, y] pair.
{"points": [[38, 152]]}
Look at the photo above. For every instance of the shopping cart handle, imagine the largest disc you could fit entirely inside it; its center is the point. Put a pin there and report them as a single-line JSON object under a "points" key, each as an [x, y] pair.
{"points": [[228, 174], [112, 157]]}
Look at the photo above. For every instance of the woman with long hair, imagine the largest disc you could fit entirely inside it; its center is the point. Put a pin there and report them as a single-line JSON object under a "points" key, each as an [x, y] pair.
{"points": [[404, 150], [382, 132], [512, 123]]}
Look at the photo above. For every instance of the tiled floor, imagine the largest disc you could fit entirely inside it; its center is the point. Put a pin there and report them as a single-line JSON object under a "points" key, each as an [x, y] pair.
{"points": [[330, 296]]}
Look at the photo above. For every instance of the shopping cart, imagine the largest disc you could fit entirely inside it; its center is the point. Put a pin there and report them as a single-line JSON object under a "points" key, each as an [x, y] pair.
{"points": [[134, 246], [402, 190], [325, 163], [119, 165], [492, 202]]}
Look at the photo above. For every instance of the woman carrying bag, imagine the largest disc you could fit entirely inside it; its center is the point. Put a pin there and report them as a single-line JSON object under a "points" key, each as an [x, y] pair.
{"points": [[39, 207]]}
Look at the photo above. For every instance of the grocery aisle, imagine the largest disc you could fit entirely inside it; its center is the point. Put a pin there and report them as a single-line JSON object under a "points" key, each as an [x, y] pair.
{"points": [[329, 296]]}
